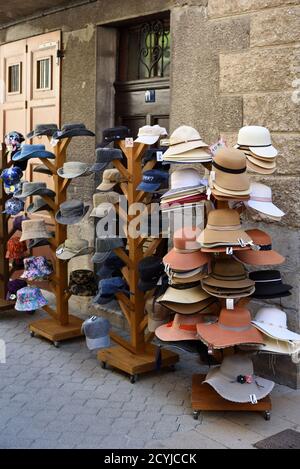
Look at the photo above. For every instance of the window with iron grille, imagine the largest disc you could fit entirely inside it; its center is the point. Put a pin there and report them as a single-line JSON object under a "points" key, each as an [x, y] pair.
{"points": [[43, 74], [14, 78]]}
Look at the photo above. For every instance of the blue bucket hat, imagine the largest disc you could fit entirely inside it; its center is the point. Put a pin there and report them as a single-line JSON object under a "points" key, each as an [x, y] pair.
{"points": [[108, 287], [13, 206], [32, 151], [153, 180]]}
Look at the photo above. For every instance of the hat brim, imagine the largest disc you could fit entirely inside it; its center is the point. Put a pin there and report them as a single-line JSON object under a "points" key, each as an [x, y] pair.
{"points": [[98, 167], [64, 175], [34, 154], [184, 147], [232, 182], [260, 257], [166, 333], [214, 335], [99, 342], [220, 292], [42, 169], [185, 261], [143, 186], [24, 195], [184, 296], [193, 308], [67, 255], [74, 133], [37, 242], [182, 190], [70, 220], [276, 332], [100, 257], [147, 139], [236, 392], [223, 249], [228, 284], [262, 163], [34, 235], [231, 237], [281, 347], [266, 152], [33, 208], [258, 169], [105, 187], [268, 208]]}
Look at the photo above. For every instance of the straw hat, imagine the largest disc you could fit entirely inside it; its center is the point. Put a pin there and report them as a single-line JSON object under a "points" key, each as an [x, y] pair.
{"points": [[181, 328], [281, 347], [234, 380], [32, 229], [209, 305], [231, 170], [183, 139], [273, 322], [258, 139], [265, 256], [233, 328], [227, 273], [74, 169], [198, 155], [223, 228], [184, 295], [186, 254]]}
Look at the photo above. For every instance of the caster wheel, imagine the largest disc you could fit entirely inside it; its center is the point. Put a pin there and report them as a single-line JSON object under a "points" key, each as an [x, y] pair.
{"points": [[103, 365], [32, 334], [56, 344], [267, 415], [133, 378], [196, 414]]}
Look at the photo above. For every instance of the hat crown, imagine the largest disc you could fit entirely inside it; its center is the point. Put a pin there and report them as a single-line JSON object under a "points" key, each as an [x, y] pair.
{"points": [[235, 365], [96, 327], [151, 130], [265, 275], [74, 166], [76, 244], [235, 318], [185, 238], [183, 134], [111, 175], [29, 294], [66, 127], [260, 190], [185, 178], [33, 225], [229, 268], [272, 316], [27, 148], [230, 158], [254, 135], [223, 217], [42, 127], [108, 154], [71, 207]]}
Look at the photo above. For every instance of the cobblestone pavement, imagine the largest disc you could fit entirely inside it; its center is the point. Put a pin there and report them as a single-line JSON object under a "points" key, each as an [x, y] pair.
{"points": [[62, 398]]}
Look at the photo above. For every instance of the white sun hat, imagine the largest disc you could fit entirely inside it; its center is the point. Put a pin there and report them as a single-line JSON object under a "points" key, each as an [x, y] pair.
{"points": [[185, 179], [149, 134], [280, 347], [273, 322], [261, 200], [258, 139]]}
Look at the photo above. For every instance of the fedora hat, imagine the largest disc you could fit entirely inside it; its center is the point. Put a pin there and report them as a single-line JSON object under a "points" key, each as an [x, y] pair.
{"points": [[32, 229], [16, 249], [30, 299], [273, 322], [150, 134], [182, 327], [187, 295], [73, 130], [184, 180], [265, 256], [43, 169], [261, 200], [268, 284], [32, 151], [233, 328], [104, 246], [34, 188], [74, 169], [186, 254], [158, 314], [230, 170], [43, 129], [37, 205], [104, 156], [114, 134], [258, 139], [223, 229], [73, 248], [71, 212], [229, 274], [183, 139], [37, 268], [96, 330], [235, 381], [209, 305], [110, 178]]}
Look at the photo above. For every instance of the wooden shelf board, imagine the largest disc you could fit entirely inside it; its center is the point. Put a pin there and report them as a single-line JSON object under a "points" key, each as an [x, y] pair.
{"points": [[6, 305], [204, 397], [53, 331], [134, 364]]}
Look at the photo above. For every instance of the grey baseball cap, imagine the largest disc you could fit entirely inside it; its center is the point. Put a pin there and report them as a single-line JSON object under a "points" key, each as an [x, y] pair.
{"points": [[96, 331]]}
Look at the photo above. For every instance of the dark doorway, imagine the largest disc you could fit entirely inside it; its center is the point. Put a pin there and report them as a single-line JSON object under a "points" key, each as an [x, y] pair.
{"points": [[142, 86]]}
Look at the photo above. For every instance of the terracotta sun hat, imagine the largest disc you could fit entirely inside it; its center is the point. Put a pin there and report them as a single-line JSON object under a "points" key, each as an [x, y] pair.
{"points": [[233, 328], [183, 139], [32, 229], [273, 322], [182, 327], [235, 381], [258, 139], [265, 256], [184, 295], [261, 200], [223, 228], [227, 273], [186, 254], [230, 170], [210, 305]]}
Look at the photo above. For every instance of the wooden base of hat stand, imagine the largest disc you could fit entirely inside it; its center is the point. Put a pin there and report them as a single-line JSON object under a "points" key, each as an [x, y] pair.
{"points": [[205, 398], [137, 355], [61, 325], [4, 237]]}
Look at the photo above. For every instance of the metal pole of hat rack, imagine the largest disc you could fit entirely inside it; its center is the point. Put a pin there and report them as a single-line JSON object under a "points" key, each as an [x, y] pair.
{"points": [[4, 237], [203, 396], [136, 355], [61, 325]]}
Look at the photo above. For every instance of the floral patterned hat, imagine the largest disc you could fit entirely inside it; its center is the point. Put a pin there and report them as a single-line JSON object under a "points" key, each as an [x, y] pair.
{"points": [[37, 267], [30, 299], [16, 249]]}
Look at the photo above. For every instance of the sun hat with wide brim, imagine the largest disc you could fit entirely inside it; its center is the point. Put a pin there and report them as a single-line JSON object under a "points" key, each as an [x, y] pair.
{"points": [[233, 328], [222, 292], [183, 327], [184, 295], [268, 284], [34, 188], [210, 305], [74, 169], [273, 322], [228, 273], [281, 347], [261, 200], [258, 139], [197, 155], [183, 280], [231, 192], [184, 138], [32, 151], [265, 256], [224, 379], [71, 212]]}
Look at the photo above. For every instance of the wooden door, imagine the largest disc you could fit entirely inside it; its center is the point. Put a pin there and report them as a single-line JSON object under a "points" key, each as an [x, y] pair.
{"points": [[142, 86]]}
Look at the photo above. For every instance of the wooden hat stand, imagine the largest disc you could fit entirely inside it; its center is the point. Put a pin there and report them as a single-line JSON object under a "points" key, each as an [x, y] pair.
{"points": [[137, 355]]}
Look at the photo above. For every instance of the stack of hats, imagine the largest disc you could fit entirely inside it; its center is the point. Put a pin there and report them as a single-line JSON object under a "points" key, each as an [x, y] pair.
{"points": [[261, 202], [255, 142], [187, 146], [228, 279], [150, 270], [229, 179], [269, 284], [187, 189]]}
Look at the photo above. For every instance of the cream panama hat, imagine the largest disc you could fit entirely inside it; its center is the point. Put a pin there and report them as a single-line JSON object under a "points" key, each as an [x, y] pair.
{"points": [[183, 139], [73, 248], [273, 322], [74, 169], [258, 139], [150, 134], [261, 200]]}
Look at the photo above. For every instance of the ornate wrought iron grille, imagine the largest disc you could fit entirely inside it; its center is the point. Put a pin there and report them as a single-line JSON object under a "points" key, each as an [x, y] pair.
{"points": [[154, 50]]}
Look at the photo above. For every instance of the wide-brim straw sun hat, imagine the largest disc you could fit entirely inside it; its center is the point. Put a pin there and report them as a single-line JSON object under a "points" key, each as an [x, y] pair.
{"points": [[197, 155], [280, 347], [224, 380], [221, 292], [273, 322], [184, 295], [229, 274], [182, 327], [265, 256], [183, 139], [209, 305]]}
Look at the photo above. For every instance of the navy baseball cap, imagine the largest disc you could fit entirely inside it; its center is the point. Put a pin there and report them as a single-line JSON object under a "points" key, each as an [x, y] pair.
{"points": [[152, 180]]}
